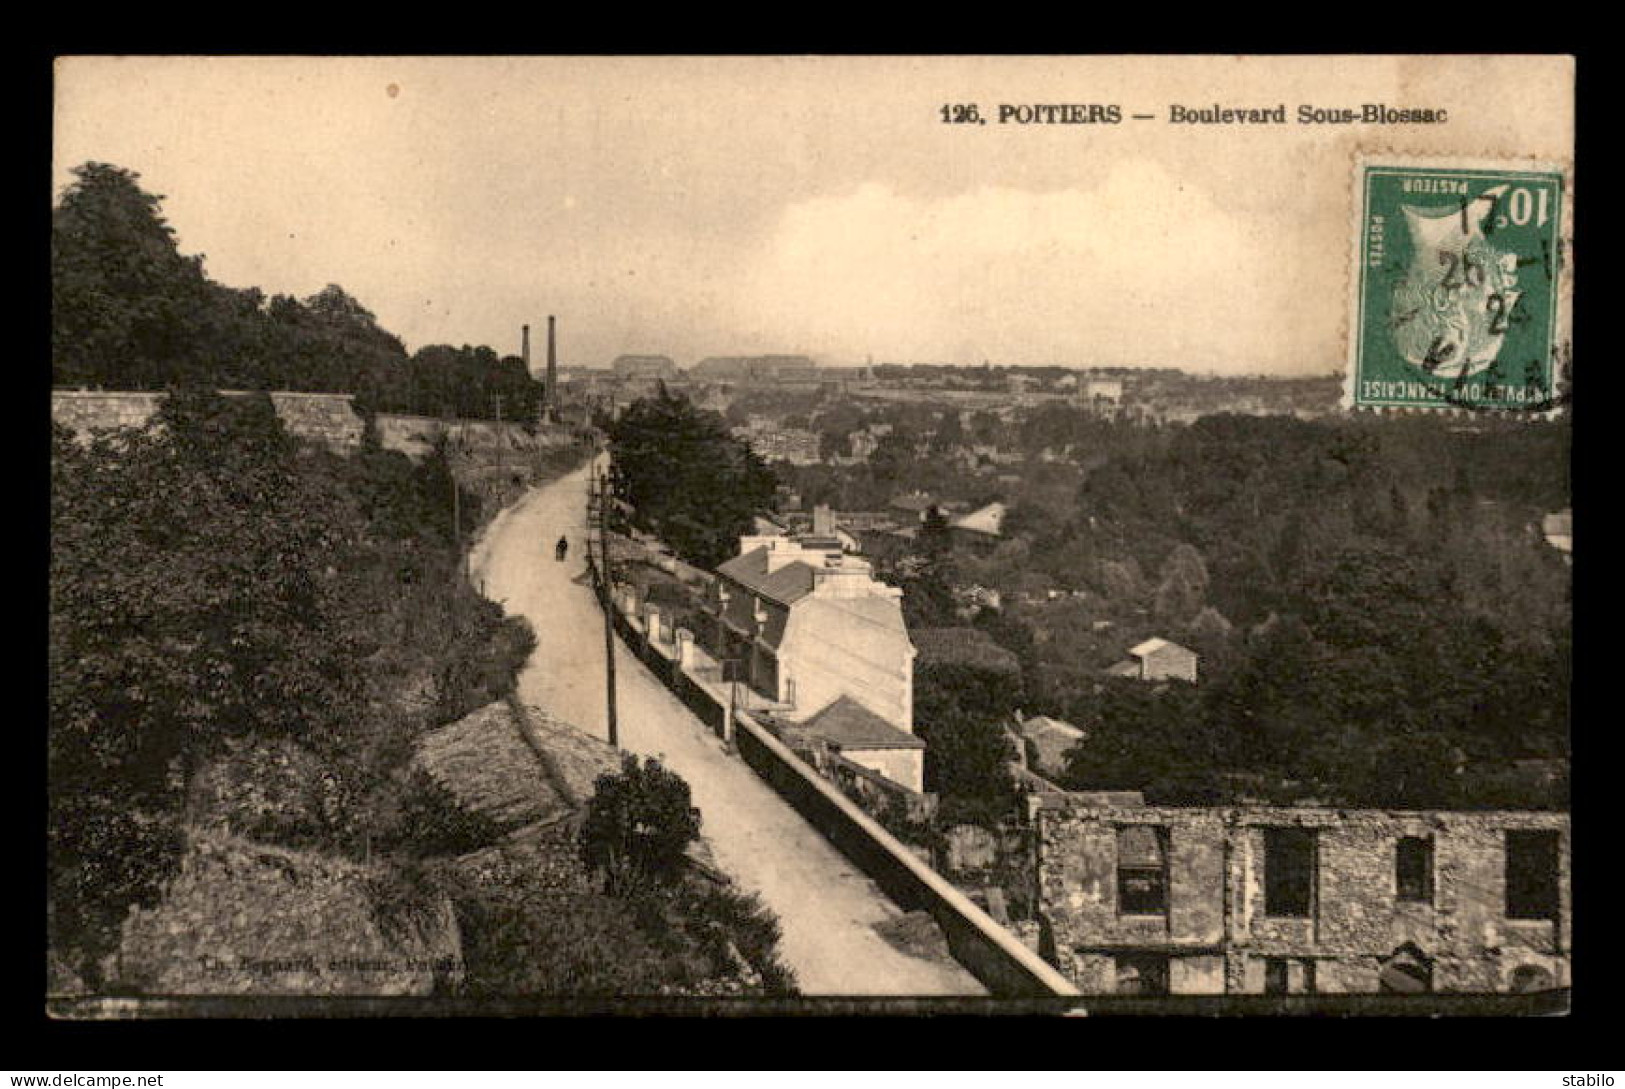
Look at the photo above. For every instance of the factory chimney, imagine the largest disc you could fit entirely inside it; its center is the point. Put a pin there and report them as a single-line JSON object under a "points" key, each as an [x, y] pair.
{"points": [[550, 392], [524, 346]]}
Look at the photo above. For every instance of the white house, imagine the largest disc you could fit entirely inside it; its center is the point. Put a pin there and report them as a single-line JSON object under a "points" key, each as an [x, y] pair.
{"points": [[810, 626], [1158, 660]]}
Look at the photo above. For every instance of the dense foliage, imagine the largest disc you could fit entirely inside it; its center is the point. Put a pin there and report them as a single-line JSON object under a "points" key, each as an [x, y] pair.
{"points": [[689, 939], [274, 621], [1379, 618], [688, 480], [130, 311]]}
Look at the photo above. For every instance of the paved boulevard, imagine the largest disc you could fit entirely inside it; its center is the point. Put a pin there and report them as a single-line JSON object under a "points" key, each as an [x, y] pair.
{"points": [[826, 906]]}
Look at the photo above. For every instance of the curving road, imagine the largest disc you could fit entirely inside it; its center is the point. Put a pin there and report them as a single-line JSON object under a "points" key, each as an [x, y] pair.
{"points": [[826, 906]]}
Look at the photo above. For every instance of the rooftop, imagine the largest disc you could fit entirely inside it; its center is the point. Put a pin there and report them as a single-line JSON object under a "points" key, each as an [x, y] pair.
{"points": [[1043, 724], [963, 646], [1151, 646]]}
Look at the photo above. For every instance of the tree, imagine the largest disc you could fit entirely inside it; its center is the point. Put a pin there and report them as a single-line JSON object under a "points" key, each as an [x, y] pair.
{"points": [[891, 460], [949, 435], [688, 480], [124, 301], [1183, 589], [967, 761], [637, 827], [1147, 738], [928, 585]]}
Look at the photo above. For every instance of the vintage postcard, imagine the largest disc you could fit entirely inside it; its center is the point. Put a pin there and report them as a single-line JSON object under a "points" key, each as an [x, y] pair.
{"points": [[739, 535]]}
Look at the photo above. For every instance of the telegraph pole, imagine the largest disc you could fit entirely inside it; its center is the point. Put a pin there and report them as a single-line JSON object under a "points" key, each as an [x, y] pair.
{"points": [[604, 600], [496, 399], [456, 497], [731, 668]]}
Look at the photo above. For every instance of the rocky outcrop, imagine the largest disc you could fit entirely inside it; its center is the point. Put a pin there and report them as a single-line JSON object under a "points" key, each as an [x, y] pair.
{"points": [[245, 918]]}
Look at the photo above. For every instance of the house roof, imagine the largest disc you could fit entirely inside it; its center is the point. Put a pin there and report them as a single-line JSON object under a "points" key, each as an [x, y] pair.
{"points": [[988, 520], [1126, 668], [1042, 724], [787, 585], [767, 527], [1151, 646], [848, 724], [963, 646]]}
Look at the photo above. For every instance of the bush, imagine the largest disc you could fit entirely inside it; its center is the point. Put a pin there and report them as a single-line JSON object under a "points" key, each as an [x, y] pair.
{"points": [[637, 827], [429, 822], [580, 944], [749, 926]]}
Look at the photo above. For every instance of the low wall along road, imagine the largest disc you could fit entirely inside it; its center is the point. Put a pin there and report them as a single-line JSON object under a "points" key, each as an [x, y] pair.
{"points": [[996, 957]]}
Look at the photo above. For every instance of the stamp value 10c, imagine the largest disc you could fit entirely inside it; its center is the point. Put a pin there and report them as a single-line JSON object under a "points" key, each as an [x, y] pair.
{"points": [[1457, 293]]}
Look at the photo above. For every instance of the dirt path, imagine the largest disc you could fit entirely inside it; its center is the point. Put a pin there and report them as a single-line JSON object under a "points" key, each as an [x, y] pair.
{"points": [[827, 907]]}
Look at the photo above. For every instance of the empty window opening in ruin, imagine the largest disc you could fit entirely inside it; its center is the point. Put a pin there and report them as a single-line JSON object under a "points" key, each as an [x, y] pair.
{"points": [[1413, 869], [1142, 973], [1531, 874], [1142, 870], [1289, 872], [1275, 975], [1287, 976]]}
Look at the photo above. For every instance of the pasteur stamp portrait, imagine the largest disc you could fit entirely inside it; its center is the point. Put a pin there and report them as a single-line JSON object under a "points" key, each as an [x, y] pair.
{"points": [[1458, 292]]}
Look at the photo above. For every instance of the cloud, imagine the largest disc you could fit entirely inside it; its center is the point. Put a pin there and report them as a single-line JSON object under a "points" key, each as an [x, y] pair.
{"points": [[1142, 269]]}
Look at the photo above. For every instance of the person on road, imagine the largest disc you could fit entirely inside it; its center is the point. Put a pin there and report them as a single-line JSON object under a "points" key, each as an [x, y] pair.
{"points": [[560, 549]]}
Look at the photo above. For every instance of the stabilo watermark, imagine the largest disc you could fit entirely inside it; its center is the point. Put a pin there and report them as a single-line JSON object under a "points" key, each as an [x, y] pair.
{"points": [[1588, 1079]]}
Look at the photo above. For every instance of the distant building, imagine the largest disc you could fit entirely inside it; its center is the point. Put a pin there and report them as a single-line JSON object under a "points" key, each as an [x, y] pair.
{"points": [[809, 626], [771, 442], [824, 525], [644, 366], [1101, 391], [1157, 660], [1163, 900], [862, 444], [1051, 738], [755, 368], [986, 523], [1558, 529]]}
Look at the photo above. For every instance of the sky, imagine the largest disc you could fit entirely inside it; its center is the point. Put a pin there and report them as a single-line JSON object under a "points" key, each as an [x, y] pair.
{"points": [[731, 206]]}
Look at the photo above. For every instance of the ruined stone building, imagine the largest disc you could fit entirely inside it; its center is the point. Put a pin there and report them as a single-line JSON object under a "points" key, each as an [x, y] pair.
{"points": [[1158, 900]]}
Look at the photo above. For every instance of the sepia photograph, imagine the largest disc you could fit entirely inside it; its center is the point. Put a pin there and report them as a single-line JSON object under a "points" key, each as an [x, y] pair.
{"points": [[787, 535]]}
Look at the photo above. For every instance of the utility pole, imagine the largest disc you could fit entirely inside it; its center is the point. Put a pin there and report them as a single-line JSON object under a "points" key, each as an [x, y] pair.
{"points": [[730, 668], [604, 600], [456, 495], [496, 399]]}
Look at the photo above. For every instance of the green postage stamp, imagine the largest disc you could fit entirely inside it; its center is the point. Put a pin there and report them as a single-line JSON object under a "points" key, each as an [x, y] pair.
{"points": [[1459, 289]]}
